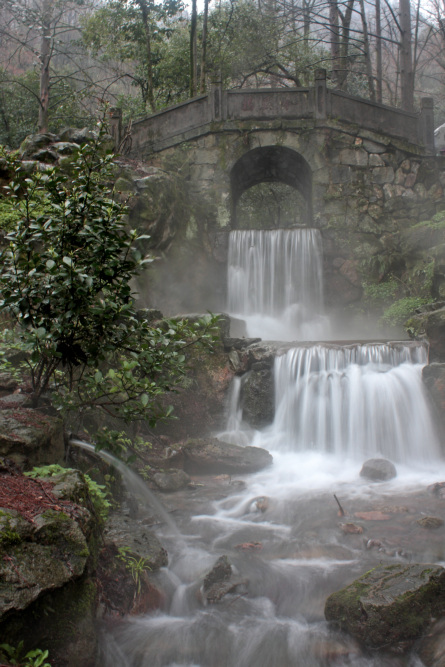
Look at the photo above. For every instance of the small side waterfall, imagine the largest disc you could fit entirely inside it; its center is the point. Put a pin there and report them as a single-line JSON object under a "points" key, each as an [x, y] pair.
{"points": [[356, 401], [275, 283]]}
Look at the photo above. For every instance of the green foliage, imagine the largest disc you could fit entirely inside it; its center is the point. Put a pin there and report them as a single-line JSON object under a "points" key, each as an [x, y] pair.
{"points": [[116, 31], [14, 656], [19, 106], [436, 222], [8, 346], [401, 309], [135, 566], [380, 293], [9, 216], [97, 492], [65, 280], [256, 45], [119, 444]]}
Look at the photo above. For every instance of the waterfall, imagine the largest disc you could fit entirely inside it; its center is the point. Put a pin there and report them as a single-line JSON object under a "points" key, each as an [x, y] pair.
{"points": [[275, 283], [357, 401]]}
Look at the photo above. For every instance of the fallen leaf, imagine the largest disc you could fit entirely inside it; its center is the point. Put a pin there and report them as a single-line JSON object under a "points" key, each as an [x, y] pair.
{"points": [[372, 516]]}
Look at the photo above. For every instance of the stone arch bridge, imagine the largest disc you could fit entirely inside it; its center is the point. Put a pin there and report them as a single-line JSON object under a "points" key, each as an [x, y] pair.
{"points": [[365, 171]]}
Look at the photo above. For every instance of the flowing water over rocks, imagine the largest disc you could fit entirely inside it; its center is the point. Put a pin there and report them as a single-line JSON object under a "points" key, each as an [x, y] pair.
{"points": [[278, 542]]}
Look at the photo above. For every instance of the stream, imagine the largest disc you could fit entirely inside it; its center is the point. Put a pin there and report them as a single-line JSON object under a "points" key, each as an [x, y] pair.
{"points": [[282, 529]]}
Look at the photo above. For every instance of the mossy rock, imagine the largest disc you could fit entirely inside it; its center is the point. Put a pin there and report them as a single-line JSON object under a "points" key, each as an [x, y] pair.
{"points": [[389, 606]]}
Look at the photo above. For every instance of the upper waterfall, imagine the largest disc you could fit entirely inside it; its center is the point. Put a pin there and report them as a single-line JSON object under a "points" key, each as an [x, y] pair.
{"points": [[275, 283]]}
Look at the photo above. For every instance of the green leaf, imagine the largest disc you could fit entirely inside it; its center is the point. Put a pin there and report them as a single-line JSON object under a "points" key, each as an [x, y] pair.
{"points": [[68, 261]]}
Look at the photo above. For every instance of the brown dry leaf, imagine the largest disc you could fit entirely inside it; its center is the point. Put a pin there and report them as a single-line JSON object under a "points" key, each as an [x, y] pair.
{"points": [[249, 546], [374, 515]]}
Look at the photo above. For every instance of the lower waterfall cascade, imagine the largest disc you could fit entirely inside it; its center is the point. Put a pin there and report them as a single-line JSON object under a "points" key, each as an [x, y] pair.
{"points": [[335, 406]]}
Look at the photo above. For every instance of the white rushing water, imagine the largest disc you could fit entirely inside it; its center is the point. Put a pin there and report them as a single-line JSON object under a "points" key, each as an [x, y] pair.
{"points": [[357, 401], [335, 406], [275, 283]]}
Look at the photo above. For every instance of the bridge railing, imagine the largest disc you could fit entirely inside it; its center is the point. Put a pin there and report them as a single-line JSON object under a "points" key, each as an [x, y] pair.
{"points": [[202, 115]]}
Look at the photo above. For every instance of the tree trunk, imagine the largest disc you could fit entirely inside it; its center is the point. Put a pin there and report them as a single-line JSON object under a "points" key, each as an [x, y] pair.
{"points": [[367, 52], [335, 39], [379, 68], [45, 60], [344, 45], [406, 59], [193, 50], [202, 86], [146, 23]]}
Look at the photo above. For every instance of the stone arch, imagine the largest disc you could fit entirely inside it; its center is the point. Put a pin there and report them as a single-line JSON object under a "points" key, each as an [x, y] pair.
{"points": [[271, 164]]}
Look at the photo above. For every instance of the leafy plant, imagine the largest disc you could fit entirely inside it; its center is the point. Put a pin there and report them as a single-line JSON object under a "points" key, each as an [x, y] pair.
{"points": [[378, 293], [119, 444], [9, 345], [401, 309], [14, 656], [135, 566], [65, 280]]}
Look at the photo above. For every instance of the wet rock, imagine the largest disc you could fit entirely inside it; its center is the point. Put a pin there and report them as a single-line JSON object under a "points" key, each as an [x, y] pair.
{"points": [[233, 587], [430, 522], [132, 535], [389, 606], [31, 438], [209, 455], [221, 571], [437, 489], [261, 503], [220, 582], [35, 560], [433, 324], [433, 377], [351, 529], [378, 470], [431, 648], [258, 398], [332, 652], [171, 480], [238, 362]]}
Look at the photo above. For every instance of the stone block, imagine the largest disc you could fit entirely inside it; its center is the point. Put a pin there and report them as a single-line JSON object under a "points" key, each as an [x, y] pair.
{"points": [[375, 160], [382, 175], [373, 147], [355, 157]]}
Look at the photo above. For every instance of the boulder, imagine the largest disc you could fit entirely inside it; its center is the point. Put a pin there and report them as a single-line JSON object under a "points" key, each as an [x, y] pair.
{"points": [[171, 480], [378, 470], [77, 136], [210, 455], [45, 590], [34, 143], [389, 606], [30, 438]]}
